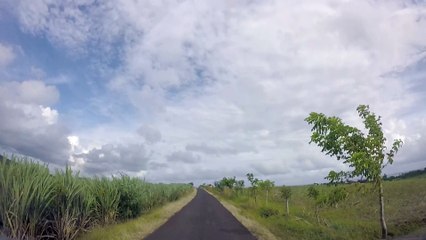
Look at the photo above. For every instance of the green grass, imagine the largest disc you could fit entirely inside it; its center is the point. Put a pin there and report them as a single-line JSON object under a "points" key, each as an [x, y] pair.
{"points": [[35, 203], [140, 227], [355, 218]]}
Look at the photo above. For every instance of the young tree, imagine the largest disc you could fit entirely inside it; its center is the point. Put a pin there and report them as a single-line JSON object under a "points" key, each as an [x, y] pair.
{"points": [[266, 185], [364, 153], [286, 195], [254, 184], [239, 186], [320, 200]]}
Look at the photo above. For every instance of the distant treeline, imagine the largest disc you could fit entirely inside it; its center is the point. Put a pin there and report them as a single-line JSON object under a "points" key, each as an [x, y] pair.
{"points": [[409, 174]]}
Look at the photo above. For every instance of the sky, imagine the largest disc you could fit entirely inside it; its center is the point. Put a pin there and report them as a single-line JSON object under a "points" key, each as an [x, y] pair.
{"points": [[193, 91]]}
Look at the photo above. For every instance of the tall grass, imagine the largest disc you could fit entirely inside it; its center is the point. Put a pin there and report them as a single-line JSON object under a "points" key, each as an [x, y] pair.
{"points": [[353, 218], [35, 204], [26, 191]]}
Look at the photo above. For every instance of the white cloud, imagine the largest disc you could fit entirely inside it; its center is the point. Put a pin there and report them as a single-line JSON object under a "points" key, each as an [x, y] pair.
{"points": [[29, 92], [50, 115], [74, 142], [6, 55], [112, 159], [150, 134], [233, 80], [27, 126], [218, 150], [183, 156]]}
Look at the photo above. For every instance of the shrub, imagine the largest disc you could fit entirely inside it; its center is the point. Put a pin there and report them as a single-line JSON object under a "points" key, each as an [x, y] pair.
{"points": [[266, 212]]}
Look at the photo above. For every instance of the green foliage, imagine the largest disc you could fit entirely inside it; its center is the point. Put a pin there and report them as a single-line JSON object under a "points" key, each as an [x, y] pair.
{"points": [[285, 192], [410, 174], [239, 185], [35, 203], [254, 182], [226, 182], [72, 206], [364, 153], [337, 195], [313, 193], [106, 200], [130, 192], [353, 219], [266, 212], [266, 185], [327, 198], [26, 192]]}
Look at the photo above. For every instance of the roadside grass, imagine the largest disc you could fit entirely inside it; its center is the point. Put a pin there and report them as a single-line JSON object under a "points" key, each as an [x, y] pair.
{"points": [[140, 227], [355, 218], [258, 230]]}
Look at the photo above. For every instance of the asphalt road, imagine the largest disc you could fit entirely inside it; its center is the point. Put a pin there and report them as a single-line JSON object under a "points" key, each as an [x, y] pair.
{"points": [[204, 218]]}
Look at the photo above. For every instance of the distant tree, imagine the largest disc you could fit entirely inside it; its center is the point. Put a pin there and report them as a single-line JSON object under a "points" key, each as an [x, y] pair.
{"points": [[239, 186], [254, 184], [225, 182], [267, 186], [285, 193], [365, 153]]}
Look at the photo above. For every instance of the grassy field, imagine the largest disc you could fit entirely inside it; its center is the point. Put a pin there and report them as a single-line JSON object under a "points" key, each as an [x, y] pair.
{"points": [[36, 203], [355, 218]]}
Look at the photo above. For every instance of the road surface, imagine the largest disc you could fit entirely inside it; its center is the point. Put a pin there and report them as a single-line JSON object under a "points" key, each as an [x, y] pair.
{"points": [[204, 218]]}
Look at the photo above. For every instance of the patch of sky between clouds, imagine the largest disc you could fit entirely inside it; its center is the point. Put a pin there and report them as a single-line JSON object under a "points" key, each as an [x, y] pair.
{"points": [[415, 76]]}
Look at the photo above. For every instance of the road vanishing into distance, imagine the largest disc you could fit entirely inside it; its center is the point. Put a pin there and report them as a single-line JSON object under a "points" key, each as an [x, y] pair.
{"points": [[204, 218]]}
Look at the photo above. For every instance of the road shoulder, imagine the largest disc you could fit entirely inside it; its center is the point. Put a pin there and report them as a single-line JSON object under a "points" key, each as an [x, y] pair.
{"points": [[255, 228]]}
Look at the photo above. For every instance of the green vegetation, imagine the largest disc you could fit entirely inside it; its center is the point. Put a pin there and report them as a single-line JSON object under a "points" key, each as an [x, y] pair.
{"points": [[410, 174], [37, 204], [339, 210], [335, 212], [285, 193], [364, 153], [141, 226]]}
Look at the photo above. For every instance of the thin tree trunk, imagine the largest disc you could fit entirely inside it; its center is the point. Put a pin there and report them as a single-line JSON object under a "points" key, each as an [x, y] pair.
{"points": [[382, 211], [288, 210], [267, 195]]}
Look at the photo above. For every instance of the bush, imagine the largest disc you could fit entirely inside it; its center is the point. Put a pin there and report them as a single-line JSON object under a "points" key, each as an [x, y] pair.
{"points": [[266, 212], [337, 195]]}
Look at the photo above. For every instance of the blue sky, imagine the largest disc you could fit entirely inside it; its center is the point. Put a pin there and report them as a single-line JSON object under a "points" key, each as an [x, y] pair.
{"points": [[196, 90]]}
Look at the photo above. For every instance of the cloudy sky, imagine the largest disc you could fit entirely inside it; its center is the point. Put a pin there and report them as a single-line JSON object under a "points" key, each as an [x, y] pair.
{"points": [[189, 90]]}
